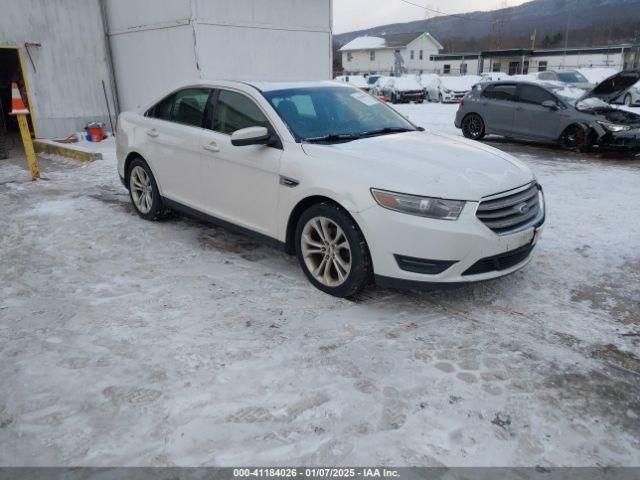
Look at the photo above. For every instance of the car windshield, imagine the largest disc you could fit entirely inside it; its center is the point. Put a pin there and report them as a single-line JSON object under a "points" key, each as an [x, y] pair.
{"points": [[335, 114], [572, 77], [372, 79]]}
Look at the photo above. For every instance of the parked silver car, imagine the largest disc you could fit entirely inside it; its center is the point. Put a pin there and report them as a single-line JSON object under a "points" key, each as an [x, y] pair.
{"points": [[630, 98], [552, 113], [571, 77]]}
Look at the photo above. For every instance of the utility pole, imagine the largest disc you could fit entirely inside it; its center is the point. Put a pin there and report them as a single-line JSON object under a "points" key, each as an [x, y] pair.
{"points": [[566, 43], [533, 39]]}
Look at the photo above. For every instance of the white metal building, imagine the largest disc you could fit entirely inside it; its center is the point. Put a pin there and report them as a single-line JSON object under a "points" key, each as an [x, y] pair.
{"points": [[517, 61], [370, 55], [60, 52], [157, 43]]}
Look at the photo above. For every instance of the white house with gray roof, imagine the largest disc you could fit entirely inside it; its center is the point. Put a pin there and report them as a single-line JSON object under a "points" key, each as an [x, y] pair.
{"points": [[371, 55]]}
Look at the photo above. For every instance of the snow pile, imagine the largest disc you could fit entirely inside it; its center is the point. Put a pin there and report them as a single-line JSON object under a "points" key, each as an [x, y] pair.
{"points": [[428, 79], [405, 84], [364, 43], [355, 80], [460, 84]]}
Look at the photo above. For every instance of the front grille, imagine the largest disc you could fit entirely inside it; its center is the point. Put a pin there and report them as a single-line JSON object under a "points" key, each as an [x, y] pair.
{"points": [[512, 211], [500, 262]]}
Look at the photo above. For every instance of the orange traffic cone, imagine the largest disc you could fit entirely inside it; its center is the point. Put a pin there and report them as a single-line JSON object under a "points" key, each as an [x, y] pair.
{"points": [[17, 105], [19, 109]]}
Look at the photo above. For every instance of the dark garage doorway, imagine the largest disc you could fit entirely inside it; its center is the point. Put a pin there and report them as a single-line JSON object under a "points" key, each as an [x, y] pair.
{"points": [[11, 71]]}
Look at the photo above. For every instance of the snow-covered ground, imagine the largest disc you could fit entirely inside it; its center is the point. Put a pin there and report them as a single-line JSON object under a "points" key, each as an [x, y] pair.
{"points": [[124, 342]]}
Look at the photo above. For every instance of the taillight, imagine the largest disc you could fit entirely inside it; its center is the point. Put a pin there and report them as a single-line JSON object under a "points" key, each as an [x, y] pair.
{"points": [[462, 102]]}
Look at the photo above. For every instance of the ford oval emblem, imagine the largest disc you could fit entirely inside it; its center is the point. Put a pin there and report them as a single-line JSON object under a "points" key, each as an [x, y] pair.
{"points": [[522, 208]]}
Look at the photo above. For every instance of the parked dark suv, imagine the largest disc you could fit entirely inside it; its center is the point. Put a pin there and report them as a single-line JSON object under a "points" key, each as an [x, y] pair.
{"points": [[552, 112]]}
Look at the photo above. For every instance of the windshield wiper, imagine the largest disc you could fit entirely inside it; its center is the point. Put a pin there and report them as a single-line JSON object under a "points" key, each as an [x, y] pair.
{"points": [[333, 137], [386, 131]]}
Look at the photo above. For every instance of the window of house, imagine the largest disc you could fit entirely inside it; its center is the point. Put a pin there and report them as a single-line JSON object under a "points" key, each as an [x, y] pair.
{"points": [[349, 56], [535, 95], [372, 55], [421, 54], [234, 111], [501, 92], [463, 69], [446, 69], [497, 67], [185, 106], [542, 66], [412, 54], [525, 68]]}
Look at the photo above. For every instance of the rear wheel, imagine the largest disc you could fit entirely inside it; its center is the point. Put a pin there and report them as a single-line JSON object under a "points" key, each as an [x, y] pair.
{"points": [[473, 127], [332, 251], [575, 137], [144, 192]]}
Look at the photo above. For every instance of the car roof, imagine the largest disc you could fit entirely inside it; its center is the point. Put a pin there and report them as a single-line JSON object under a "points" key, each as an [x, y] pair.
{"points": [[274, 86]]}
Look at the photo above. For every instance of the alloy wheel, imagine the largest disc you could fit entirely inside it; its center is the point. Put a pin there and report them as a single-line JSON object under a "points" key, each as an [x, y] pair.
{"points": [[141, 189], [473, 126], [326, 251]]}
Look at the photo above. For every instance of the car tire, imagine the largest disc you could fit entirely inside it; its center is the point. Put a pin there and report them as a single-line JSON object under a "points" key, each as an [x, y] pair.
{"points": [[575, 137], [143, 191], [440, 98], [394, 98], [332, 251], [473, 127], [628, 100]]}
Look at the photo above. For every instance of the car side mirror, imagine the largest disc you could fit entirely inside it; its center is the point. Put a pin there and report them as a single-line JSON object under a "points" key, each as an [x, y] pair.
{"points": [[251, 136], [550, 104]]}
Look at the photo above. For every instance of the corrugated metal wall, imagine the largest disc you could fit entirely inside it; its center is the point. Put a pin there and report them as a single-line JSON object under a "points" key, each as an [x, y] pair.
{"points": [[65, 86], [159, 43]]}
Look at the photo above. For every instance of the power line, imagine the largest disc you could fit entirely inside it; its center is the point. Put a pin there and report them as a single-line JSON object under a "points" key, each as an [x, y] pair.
{"points": [[439, 12]]}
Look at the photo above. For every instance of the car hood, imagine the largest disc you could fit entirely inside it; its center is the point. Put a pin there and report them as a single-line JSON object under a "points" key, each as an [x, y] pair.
{"points": [[427, 163], [614, 86]]}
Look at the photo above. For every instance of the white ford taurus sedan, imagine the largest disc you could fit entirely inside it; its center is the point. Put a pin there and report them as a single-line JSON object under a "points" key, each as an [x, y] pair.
{"points": [[332, 175]]}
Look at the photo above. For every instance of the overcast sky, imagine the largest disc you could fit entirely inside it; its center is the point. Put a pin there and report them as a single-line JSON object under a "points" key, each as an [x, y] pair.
{"points": [[351, 15]]}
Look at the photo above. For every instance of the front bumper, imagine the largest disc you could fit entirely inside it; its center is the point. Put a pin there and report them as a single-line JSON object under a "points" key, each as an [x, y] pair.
{"points": [[467, 243], [621, 140], [411, 96]]}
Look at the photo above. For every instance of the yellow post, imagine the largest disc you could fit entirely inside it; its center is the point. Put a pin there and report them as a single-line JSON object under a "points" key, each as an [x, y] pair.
{"points": [[21, 111], [28, 147]]}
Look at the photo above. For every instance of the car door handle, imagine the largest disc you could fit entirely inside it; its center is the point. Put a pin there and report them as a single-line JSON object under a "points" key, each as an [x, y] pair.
{"points": [[212, 147], [153, 132]]}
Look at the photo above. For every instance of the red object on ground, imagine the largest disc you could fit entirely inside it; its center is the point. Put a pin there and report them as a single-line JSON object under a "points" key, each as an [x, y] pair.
{"points": [[96, 133]]}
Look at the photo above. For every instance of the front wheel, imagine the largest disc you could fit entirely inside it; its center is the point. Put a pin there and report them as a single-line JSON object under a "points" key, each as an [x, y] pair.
{"points": [[473, 127], [575, 137], [332, 251]]}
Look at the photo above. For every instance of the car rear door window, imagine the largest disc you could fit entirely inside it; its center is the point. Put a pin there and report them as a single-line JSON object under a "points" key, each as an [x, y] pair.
{"points": [[185, 106], [189, 106], [506, 92], [234, 111], [535, 95]]}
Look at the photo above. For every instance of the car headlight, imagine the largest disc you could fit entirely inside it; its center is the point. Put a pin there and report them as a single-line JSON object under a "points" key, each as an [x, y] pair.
{"points": [[612, 127], [421, 206]]}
